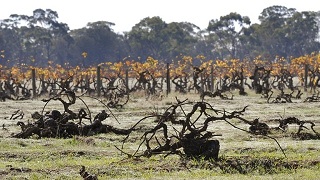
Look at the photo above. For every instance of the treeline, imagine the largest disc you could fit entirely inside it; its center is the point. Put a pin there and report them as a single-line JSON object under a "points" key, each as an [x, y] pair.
{"points": [[41, 39]]}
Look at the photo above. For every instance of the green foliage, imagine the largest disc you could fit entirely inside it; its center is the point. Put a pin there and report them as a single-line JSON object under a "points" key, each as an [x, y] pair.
{"points": [[282, 32]]}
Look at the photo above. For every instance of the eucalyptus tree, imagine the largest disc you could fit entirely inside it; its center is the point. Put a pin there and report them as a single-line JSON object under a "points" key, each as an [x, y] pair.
{"points": [[36, 34], [44, 28], [226, 32], [154, 37], [11, 41], [149, 38], [183, 37], [271, 32], [301, 34], [250, 43], [286, 32], [99, 42], [318, 23]]}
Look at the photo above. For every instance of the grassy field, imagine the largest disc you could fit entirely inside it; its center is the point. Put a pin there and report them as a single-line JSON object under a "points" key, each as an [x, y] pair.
{"points": [[242, 155]]}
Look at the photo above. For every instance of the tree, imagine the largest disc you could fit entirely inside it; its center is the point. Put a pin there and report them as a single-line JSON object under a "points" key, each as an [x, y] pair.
{"points": [[43, 29], [301, 34], [318, 24], [285, 32], [12, 42], [148, 38], [156, 38], [182, 38], [36, 34], [271, 31], [250, 43], [100, 42], [227, 31]]}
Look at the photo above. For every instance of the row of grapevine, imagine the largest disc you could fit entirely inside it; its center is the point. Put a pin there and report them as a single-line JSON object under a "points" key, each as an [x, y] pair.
{"points": [[153, 75]]}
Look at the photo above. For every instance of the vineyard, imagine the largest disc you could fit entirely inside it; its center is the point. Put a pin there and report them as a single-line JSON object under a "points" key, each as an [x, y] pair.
{"points": [[153, 76], [193, 118]]}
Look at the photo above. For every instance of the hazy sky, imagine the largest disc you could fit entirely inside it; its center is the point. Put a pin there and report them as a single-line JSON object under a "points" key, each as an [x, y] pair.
{"points": [[127, 13]]}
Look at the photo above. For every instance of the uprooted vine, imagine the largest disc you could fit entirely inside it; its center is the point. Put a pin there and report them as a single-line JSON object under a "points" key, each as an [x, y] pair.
{"points": [[190, 135]]}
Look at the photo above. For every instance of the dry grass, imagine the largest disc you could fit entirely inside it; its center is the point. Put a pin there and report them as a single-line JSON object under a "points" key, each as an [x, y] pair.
{"points": [[62, 158]]}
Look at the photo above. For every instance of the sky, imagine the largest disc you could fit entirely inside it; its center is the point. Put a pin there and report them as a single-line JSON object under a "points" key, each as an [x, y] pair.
{"points": [[126, 13]]}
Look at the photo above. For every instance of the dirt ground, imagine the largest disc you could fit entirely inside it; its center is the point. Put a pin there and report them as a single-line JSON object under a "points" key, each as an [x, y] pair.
{"points": [[232, 140], [139, 107]]}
